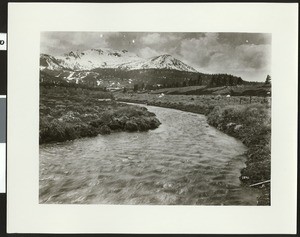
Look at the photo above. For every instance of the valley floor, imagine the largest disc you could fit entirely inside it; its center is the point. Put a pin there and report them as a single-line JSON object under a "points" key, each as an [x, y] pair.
{"points": [[248, 119], [67, 114]]}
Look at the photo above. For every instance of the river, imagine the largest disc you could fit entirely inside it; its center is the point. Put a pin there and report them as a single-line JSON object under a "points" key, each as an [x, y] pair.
{"points": [[183, 162]]}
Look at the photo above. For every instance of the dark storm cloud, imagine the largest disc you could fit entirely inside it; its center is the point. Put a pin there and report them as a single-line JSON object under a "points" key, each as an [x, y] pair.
{"points": [[243, 54]]}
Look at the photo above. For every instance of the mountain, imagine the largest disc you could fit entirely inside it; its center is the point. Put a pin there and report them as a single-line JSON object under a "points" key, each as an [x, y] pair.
{"points": [[89, 59], [107, 67], [165, 61], [49, 62], [116, 69]]}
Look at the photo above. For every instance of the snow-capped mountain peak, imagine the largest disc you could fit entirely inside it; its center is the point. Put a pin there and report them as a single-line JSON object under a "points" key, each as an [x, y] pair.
{"points": [[95, 58], [164, 61]]}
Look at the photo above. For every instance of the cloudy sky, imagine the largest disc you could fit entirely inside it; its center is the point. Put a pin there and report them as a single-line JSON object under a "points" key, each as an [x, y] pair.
{"points": [[242, 54]]}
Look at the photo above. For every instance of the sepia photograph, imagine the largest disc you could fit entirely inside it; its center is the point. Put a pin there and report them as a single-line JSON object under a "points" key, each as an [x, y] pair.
{"points": [[152, 118], [155, 118]]}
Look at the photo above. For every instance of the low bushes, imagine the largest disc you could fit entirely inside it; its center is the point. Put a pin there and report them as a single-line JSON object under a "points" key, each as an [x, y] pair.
{"points": [[62, 117], [57, 131]]}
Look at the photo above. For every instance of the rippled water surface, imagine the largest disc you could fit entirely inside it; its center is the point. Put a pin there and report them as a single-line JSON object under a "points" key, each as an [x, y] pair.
{"points": [[183, 162]]}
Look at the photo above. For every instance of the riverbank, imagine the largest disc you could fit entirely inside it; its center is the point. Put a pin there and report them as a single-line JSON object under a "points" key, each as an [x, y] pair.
{"points": [[67, 114], [251, 123]]}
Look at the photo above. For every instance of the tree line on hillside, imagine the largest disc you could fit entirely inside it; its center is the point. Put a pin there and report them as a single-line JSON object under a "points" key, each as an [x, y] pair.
{"points": [[169, 78], [149, 79], [208, 80]]}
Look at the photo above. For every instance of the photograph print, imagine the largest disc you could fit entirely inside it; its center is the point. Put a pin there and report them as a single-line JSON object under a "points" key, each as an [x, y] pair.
{"points": [[155, 118]]}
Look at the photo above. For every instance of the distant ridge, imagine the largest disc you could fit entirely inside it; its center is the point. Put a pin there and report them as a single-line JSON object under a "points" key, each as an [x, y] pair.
{"points": [[108, 58]]}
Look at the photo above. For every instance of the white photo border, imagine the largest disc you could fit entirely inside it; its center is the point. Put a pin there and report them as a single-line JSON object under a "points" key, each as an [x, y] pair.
{"points": [[27, 20]]}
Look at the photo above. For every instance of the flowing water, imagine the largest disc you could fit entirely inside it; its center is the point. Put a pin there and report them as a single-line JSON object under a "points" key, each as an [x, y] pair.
{"points": [[183, 162]]}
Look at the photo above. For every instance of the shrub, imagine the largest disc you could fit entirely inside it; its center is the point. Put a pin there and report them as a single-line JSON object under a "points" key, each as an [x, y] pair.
{"points": [[104, 130], [131, 126]]}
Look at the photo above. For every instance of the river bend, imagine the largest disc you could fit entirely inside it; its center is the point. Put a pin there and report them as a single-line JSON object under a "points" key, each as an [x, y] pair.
{"points": [[183, 162]]}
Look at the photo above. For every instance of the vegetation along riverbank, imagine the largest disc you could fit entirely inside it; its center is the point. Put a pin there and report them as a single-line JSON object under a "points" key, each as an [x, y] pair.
{"points": [[236, 116], [67, 114]]}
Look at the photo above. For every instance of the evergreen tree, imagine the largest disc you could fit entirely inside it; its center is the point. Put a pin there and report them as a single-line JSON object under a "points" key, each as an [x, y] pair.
{"points": [[268, 80]]}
